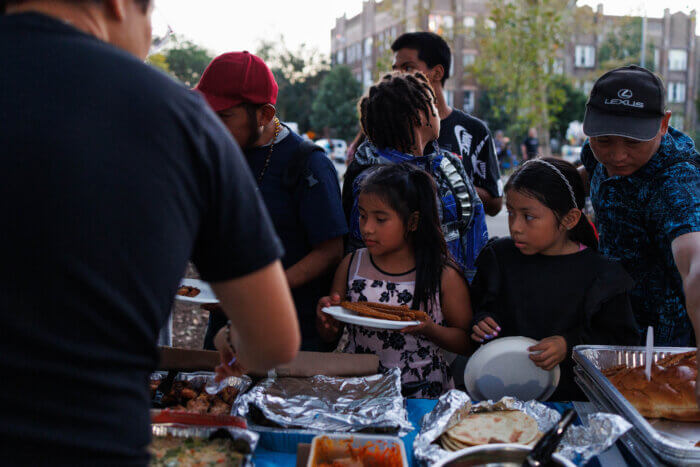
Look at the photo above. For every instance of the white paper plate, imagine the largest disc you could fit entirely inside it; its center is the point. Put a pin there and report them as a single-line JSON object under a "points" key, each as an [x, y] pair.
{"points": [[206, 294], [347, 316], [503, 368]]}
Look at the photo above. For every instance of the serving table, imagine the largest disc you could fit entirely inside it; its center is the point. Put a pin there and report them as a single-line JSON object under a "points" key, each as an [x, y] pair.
{"points": [[275, 450]]}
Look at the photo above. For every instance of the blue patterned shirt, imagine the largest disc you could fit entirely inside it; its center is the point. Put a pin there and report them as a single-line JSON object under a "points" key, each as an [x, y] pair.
{"points": [[638, 216]]}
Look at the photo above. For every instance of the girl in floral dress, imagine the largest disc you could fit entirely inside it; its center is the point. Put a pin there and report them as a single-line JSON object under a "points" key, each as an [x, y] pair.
{"points": [[405, 262]]}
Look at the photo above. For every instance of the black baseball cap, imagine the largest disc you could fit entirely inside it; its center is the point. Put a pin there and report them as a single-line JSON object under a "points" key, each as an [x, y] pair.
{"points": [[628, 101]]}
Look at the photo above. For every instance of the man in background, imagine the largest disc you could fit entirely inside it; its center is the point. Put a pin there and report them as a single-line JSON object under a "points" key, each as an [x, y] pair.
{"points": [[297, 180]]}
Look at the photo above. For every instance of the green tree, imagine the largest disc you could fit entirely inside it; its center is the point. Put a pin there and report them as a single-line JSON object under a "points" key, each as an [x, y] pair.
{"points": [[335, 106], [159, 61], [187, 61], [298, 74], [572, 108], [623, 44], [516, 60]]}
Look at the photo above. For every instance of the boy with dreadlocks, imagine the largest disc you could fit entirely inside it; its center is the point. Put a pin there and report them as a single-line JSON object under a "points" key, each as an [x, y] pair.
{"points": [[399, 118]]}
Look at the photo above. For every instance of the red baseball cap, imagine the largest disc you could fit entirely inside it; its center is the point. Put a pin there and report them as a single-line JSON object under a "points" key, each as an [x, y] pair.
{"points": [[237, 77]]}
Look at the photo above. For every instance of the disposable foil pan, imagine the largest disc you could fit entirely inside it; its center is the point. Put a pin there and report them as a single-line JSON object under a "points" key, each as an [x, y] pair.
{"points": [[370, 404], [672, 441], [198, 380], [631, 439], [244, 441], [579, 444]]}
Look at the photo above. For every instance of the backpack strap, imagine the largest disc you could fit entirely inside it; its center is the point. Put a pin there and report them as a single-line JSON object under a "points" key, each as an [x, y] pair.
{"points": [[297, 170], [462, 192]]}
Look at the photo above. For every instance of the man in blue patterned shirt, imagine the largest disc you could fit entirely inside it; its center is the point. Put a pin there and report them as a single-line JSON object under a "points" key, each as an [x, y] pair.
{"points": [[645, 187]]}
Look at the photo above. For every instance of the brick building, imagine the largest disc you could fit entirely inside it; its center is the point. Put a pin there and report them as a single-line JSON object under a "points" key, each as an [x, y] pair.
{"points": [[363, 42]]}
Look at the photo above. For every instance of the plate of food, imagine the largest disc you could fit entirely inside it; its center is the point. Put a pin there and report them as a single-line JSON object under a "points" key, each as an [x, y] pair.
{"points": [[195, 291], [501, 426], [376, 315], [503, 368]]}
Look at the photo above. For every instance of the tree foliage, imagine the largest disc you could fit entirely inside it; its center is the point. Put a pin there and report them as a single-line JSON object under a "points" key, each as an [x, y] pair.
{"points": [[186, 61], [572, 108], [335, 105], [516, 59], [298, 74], [623, 45]]}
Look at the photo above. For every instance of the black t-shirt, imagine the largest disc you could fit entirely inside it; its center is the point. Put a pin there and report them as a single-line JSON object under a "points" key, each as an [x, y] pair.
{"points": [[113, 176], [581, 296], [469, 138], [532, 147], [304, 215]]}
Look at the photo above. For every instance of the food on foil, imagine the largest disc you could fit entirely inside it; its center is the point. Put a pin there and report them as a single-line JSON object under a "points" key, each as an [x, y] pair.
{"points": [[346, 453], [501, 426], [188, 291], [669, 394], [185, 397], [172, 451], [384, 311]]}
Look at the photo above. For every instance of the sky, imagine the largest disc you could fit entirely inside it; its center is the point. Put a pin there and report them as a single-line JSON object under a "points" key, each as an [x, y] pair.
{"points": [[229, 25]]}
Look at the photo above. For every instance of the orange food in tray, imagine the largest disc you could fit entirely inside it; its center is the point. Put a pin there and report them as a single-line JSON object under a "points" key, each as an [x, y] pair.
{"points": [[188, 291]]}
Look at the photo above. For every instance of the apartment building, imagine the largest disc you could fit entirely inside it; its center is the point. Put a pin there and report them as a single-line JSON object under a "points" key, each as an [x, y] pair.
{"points": [[363, 43]]}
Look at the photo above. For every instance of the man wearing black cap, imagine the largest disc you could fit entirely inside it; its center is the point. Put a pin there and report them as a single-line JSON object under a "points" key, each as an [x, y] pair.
{"points": [[645, 187]]}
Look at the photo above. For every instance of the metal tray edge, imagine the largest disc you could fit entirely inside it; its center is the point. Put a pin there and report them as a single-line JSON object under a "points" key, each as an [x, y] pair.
{"points": [[658, 443]]}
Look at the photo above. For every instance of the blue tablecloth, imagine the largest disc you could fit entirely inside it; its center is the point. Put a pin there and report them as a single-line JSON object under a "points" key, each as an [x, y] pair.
{"points": [[265, 455]]}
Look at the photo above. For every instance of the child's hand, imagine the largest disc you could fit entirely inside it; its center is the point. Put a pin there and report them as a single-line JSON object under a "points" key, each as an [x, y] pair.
{"points": [[425, 328], [553, 352], [327, 326], [486, 329]]}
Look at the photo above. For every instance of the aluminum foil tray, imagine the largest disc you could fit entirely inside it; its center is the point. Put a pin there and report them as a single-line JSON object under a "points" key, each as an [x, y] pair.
{"points": [[327, 404], [198, 380], [672, 441], [244, 441]]}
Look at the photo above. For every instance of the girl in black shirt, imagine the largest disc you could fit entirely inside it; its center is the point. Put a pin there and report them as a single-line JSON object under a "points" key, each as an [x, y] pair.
{"points": [[548, 281]]}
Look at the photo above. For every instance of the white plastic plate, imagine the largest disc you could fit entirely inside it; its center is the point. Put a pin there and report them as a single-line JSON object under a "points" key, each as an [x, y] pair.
{"points": [[347, 316], [206, 294], [503, 368]]}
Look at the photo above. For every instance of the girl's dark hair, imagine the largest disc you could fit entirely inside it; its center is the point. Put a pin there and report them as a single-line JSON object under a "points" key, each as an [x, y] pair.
{"points": [[394, 107], [543, 183], [408, 189]]}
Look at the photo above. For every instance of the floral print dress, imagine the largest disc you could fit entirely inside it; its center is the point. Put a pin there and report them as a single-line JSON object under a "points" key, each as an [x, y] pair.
{"points": [[424, 371]]}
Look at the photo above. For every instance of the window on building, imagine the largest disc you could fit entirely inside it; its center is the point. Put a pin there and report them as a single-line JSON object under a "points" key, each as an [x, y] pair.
{"points": [[442, 25], [468, 104], [468, 59], [469, 22], [368, 47], [677, 60], [656, 58], [585, 56], [676, 92], [558, 66], [340, 57]]}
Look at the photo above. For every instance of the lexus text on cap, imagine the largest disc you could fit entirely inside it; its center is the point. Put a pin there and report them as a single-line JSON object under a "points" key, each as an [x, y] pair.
{"points": [[627, 101], [235, 78]]}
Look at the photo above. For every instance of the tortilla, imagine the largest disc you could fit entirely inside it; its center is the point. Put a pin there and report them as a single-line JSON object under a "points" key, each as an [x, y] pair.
{"points": [[506, 426]]}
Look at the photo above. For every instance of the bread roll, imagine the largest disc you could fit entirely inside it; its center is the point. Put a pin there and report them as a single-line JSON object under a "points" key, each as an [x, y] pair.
{"points": [[669, 394]]}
